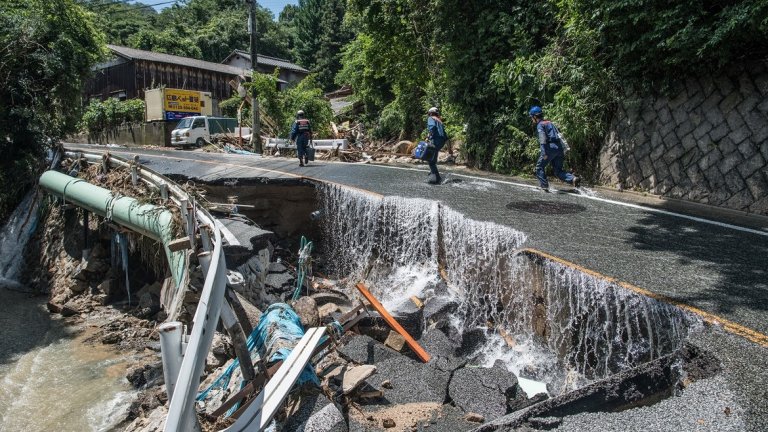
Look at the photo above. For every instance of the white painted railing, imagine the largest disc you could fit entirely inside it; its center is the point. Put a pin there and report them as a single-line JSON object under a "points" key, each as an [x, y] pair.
{"points": [[184, 387], [320, 144]]}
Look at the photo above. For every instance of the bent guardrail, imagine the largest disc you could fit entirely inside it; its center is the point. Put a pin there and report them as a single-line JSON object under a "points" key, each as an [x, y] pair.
{"points": [[189, 360]]}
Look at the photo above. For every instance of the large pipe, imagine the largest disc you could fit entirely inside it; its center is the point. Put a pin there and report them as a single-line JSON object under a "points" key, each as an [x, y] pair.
{"points": [[147, 219]]}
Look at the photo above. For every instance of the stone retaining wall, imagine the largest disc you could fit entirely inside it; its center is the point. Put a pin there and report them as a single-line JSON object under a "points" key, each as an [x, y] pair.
{"points": [[707, 142]]}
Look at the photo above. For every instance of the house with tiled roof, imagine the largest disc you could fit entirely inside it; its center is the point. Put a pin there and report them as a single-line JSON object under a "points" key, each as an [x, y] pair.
{"points": [[131, 71], [289, 72]]}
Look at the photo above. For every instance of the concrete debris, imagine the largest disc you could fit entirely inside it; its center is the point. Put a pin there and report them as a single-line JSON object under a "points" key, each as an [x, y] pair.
{"points": [[483, 390], [328, 309], [314, 413], [474, 417], [362, 349], [355, 376], [412, 381], [306, 309], [388, 423], [395, 341]]}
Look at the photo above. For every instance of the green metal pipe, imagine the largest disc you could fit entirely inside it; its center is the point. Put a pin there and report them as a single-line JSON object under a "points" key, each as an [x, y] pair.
{"points": [[147, 219]]}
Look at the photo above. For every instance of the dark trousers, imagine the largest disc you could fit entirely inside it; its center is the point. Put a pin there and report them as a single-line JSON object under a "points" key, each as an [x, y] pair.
{"points": [[301, 147], [433, 161], [557, 160]]}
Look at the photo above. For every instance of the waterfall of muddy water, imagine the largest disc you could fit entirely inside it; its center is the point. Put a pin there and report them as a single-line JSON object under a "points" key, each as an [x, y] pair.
{"points": [[561, 326], [13, 239], [49, 381]]}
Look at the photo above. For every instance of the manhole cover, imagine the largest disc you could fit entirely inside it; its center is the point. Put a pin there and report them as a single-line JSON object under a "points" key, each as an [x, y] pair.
{"points": [[546, 207]]}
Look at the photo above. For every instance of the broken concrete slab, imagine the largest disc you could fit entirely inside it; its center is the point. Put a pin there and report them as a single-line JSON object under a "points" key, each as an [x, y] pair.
{"points": [[355, 376], [624, 389], [410, 317], [251, 239], [438, 309], [411, 381], [442, 350], [483, 390], [362, 349], [315, 413]]}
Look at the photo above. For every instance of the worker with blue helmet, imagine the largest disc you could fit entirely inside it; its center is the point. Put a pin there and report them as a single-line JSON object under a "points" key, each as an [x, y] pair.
{"points": [[552, 150]]}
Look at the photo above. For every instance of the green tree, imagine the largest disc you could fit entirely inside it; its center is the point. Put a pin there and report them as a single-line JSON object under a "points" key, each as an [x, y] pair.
{"points": [[320, 35], [47, 48]]}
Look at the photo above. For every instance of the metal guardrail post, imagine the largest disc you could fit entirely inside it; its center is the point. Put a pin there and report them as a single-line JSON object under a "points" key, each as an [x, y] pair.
{"points": [[181, 411], [171, 335]]}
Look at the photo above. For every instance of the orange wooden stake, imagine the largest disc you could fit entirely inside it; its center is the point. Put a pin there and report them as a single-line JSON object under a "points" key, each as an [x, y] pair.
{"points": [[423, 355]]}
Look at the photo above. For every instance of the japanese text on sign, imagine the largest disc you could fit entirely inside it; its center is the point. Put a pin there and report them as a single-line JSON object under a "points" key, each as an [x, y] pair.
{"points": [[183, 101]]}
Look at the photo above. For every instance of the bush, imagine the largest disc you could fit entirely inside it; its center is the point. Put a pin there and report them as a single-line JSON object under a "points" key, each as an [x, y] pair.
{"points": [[105, 117]]}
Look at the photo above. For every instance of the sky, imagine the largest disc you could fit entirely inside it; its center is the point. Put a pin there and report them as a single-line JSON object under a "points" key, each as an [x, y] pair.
{"points": [[276, 6]]}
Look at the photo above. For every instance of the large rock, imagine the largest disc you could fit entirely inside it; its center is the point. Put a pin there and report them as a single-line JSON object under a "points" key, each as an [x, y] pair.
{"points": [[483, 391], [306, 309]]}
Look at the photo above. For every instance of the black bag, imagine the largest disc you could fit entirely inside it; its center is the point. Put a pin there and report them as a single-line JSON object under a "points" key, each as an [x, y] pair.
{"points": [[310, 151]]}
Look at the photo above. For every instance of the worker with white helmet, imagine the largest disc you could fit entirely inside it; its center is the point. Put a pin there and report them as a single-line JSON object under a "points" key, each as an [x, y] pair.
{"points": [[438, 137], [301, 133]]}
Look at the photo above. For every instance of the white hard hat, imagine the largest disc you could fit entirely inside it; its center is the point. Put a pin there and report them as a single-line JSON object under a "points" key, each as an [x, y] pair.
{"points": [[433, 110], [300, 113]]}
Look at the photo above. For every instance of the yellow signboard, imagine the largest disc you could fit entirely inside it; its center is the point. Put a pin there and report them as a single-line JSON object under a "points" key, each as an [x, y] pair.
{"points": [[183, 101]]}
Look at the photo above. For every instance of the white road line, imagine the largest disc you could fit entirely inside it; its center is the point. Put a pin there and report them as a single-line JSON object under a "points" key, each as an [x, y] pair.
{"points": [[635, 206], [605, 200]]}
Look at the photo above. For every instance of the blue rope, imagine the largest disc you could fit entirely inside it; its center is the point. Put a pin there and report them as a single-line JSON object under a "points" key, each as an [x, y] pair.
{"points": [[305, 262]]}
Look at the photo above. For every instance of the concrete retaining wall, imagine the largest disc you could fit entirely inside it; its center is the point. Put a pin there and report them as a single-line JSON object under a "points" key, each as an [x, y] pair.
{"points": [[154, 133], [707, 142]]}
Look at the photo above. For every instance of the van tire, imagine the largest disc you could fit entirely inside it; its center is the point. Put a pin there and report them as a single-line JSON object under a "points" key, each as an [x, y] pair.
{"points": [[200, 142]]}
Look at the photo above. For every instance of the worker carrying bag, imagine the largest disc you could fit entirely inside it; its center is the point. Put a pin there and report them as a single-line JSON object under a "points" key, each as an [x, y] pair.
{"points": [[424, 151]]}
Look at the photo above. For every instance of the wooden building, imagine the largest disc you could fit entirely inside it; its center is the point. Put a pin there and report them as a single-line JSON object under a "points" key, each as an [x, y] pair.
{"points": [[289, 72], [131, 71]]}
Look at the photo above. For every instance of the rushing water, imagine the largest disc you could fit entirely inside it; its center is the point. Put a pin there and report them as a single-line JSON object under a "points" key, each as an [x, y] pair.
{"points": [[49, 379], [551, 322], [13, 238]]}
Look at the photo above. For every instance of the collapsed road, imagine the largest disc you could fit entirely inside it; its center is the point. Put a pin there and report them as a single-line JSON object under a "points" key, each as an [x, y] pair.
{"points": [[598, 345]]}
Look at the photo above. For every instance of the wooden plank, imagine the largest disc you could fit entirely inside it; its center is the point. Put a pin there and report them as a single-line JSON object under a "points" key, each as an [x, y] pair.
{"points": [[423, 355]]}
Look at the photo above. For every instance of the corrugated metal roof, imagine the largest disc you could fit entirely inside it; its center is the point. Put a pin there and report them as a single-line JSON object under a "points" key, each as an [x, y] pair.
{"points": [[269, 61], [137, 54]]}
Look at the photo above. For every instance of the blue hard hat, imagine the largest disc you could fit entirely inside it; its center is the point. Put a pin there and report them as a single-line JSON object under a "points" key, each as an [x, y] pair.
{"points": [[535, 110]]}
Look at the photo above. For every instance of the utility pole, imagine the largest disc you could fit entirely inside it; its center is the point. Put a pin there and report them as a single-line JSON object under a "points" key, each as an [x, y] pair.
{"points": [[256, 129]]}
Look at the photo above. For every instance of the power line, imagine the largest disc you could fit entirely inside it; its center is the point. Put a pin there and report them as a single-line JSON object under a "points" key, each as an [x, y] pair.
{"points": [[137, 8], [130, 6]]}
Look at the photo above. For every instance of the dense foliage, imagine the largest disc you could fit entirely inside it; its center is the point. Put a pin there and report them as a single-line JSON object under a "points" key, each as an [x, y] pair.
{"points": [[278, 108], [104, 117], [205, 29], [47, 48], [485, 62]]}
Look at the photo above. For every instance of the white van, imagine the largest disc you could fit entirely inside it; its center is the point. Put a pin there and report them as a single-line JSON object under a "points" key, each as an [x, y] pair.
{"points": [[199, 129]]}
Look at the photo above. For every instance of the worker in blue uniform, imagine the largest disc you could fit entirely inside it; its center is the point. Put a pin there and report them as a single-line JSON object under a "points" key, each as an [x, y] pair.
{"points": [[552, 150], [438, 137], [301, 134]]}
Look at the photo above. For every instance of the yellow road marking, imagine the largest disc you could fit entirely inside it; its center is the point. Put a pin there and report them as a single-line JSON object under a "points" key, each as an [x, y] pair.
{"points": [[729, 326]]}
